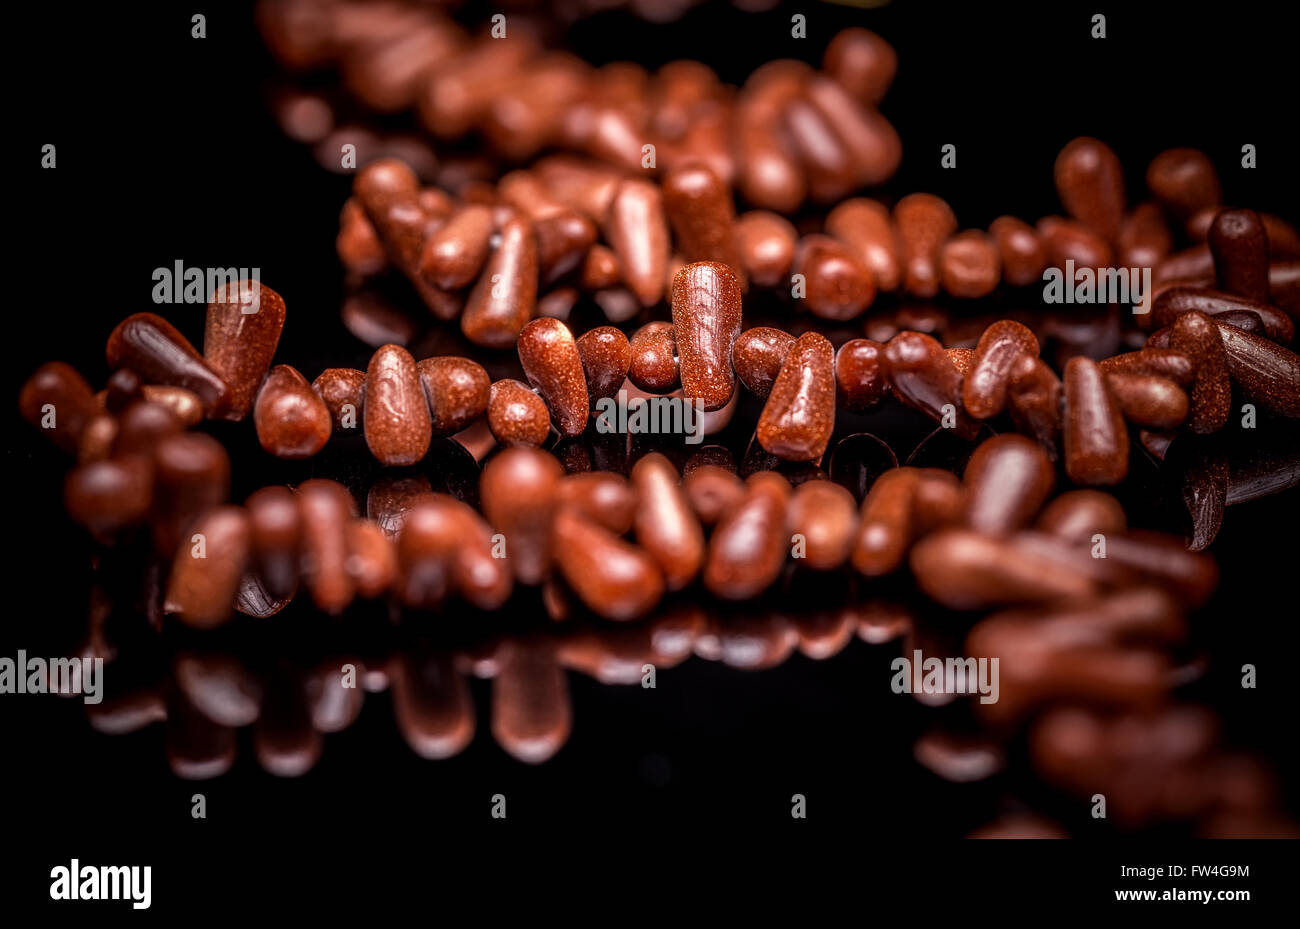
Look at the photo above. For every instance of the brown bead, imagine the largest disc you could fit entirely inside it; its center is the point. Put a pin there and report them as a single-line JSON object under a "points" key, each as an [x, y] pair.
{"points": [[357, 243], [563, 240], [939, 500], [184, 403], [326, 509], [1096, 439], [1007, 480], [967, 570], [454, 255], [505, 297], [765, 243], [703, 217], [152, 348], [924, 223], [706, 321], [826, 158], [748, 547], [457, 390], [240, 336], [637, 230], [291, 419], [426, 548], [799, 417], [275, 532], [205, 574], [97, 438], [550, 359], [1078, 515], [1034, 395], [837, 285], [604, 497], [122, 390], [1184, 181], [1190, 264], [388, 191], [769, 175], [963, 358], [1264, 371], [142, 427], [1021, 251], [984, 388], [757, 356], [516, 415], [860, 375], [1066, 240], [886, 523], [108, 495], [57, 400], [532, 714], [220, 686], [583, 184], [1144, 237], [519, 492], [1240, 248], [1160, 362], [666, 526], [1090, 183], [969, 265], [432, 705], [606, 358], [614, 578], [600, 269], [862, 63], [390, 498], [924, 377], [396, 414], [191, 472], [712, 490], [825, 515], [1196, 336], [866, 228], [481, 577], [1147, 400], [653, 366], [558, 303], [871, 142], [342, 390], [1175, 301], [1245, 320]]}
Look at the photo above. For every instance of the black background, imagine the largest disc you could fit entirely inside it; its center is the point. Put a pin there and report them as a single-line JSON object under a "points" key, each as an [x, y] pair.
{"points": [[166, 151]]}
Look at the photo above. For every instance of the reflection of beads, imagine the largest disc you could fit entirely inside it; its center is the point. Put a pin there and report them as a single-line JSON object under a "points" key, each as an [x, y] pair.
{"points": [[969, 544]]}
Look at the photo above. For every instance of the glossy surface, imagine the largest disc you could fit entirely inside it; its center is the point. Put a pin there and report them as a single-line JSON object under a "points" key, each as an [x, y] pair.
{"points": [[757, 356], [291, 419], [516, 415], [637, 230], [457, 390], [706, 321], [799, 417], [396, 414], [505, 297], [153, 348], [1096, 438], [553, 365], [240, 335]]}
